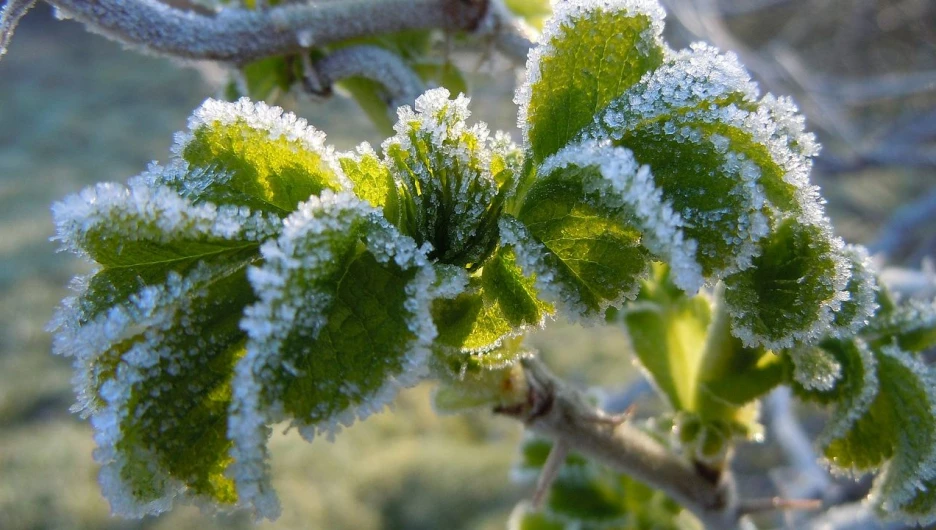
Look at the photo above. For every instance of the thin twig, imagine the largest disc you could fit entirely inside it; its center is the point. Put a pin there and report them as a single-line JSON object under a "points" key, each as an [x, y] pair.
{"points": [[377, 64], [775, 504], [561, 414], [551, 468]]}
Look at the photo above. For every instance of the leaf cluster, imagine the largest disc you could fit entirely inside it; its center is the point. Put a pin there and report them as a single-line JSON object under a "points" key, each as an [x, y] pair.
{"points": [[262, 277]]}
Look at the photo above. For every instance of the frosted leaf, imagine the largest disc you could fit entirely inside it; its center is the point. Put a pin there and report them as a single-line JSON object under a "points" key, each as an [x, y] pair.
{"points": [[507, 160], [689, 80], [139, 234], [585, 255], [443, 170], [590, 52], [593, 218], [814, 368], [726, 161], [853, 391], [896, 435], [371, 180], [117, 225], [10, 15], [254, 155], [498, 303], [790, 294], [154, 334], [165, 388], [622, 185], [911, 325], [342, 324]]}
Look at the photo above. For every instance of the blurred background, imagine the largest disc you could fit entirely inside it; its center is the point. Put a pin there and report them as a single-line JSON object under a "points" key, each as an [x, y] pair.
{"points": [[76, 109]]}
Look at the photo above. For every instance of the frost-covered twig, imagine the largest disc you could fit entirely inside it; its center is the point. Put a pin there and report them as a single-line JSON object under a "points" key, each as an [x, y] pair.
{"points": [[241, 35], [559, 413], [377, 64], [511, 35], [10, 16]]}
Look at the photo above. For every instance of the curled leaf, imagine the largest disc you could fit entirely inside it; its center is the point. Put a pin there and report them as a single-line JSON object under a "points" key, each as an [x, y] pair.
{"points": [[443, 170], [790, 293]]}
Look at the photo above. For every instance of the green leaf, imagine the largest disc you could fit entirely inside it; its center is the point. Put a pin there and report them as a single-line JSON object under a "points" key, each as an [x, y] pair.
{"points": [[486, 380], [589, 54], [342, 324], [250, 154], [586, 228], [161, 422], [587, 495], [154, 333], [261, 78], [721, 158], [814, 368], [852, 392], [443, 168], [668, 334], [373, 99], [139, 234], [911, 324], [499, 303], [789, 294], [694, 361], [534, 12], [371, 180], [897, 434]]}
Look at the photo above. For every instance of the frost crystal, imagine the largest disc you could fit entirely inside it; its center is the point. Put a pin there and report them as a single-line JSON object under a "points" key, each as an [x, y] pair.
{"points": [[814, 368], [856, 312]]}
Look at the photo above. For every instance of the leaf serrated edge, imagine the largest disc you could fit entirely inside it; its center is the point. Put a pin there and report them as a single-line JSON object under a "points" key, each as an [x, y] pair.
{"points": [[257, 115]]}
